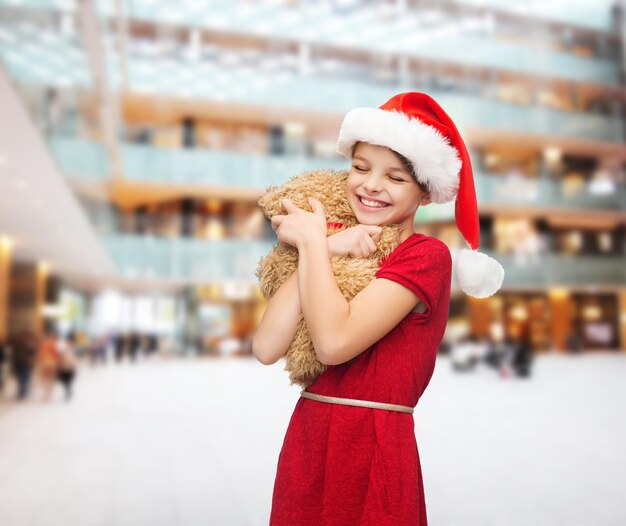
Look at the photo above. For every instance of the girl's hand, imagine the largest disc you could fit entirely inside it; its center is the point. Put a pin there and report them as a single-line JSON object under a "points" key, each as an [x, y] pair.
{"points": [[299, 226], [357, 241]]}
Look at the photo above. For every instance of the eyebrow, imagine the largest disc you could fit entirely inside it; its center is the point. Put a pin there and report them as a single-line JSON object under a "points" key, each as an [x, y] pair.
{"points": [[389, 169]]}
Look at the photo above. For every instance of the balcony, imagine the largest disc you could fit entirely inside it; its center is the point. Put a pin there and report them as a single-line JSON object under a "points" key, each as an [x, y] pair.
{"points": [[283, 89], [498, 190], [594, 15], [201, 261], [84, 159], [47, 57], [553, 270], [422, 34], [186, 260]]}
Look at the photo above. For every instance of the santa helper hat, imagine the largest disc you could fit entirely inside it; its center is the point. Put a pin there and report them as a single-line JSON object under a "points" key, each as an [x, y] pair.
{"points": [[414, 125]]}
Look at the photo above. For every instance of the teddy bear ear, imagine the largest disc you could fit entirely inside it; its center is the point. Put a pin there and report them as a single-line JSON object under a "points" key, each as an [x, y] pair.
{"points": [[269, 202]]}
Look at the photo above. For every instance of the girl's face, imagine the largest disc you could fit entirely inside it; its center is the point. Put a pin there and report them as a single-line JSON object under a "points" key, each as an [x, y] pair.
{"points": [[381, 191]]}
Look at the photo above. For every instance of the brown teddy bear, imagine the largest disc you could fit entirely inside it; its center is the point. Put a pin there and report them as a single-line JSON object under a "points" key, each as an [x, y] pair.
{"points": [[352, 274]]}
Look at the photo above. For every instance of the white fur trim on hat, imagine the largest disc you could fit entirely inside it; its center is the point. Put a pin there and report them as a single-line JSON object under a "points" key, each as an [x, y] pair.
{"points": [[435, 161], [477, 274]]}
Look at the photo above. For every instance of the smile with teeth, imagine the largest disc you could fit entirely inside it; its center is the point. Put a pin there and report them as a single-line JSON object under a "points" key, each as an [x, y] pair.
{"points": [[372, 204]]}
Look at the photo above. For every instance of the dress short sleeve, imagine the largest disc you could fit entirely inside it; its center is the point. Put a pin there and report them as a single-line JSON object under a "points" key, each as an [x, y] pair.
{"points": [[423, 265]]}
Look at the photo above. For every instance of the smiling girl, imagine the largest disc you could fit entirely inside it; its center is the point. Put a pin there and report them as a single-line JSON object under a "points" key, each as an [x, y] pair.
{"points": [[349, 456]]}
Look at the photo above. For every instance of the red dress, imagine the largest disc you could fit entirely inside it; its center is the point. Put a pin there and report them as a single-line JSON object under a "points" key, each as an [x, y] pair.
{"points": [[348, 466]]}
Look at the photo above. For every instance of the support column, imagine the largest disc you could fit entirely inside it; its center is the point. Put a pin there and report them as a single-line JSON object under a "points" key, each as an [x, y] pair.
{"points": [[41, 283], [6, 248], [27, 297], [480, 316], [621, 317], [243, 320], [561, 311]]}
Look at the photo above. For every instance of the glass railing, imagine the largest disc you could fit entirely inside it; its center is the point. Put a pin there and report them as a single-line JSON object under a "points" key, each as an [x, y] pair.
{"points": [[49, 57], [420, 34], [85, 159], [211, 261], [81, 158], [326, 94], [547, 192], [286, 88], [592, 14], [217, 168], [475, 112], [555, 269], [185, 259], [37, 55]]}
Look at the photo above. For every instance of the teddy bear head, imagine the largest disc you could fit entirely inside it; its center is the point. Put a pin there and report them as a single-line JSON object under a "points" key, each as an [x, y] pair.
{"points": [[328, 186]]}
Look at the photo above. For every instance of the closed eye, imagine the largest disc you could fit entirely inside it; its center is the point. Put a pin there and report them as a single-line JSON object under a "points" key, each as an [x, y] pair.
{"points": [[359, 168], [397, 179]]}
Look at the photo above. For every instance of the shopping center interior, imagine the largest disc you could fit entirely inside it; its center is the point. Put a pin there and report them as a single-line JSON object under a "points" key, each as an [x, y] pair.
{"points": [[137, 138], [157, 135], [141, 138]]}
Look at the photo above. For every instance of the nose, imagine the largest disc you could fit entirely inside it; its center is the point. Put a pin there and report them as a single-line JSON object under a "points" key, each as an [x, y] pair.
{"points": [[372, 184]]}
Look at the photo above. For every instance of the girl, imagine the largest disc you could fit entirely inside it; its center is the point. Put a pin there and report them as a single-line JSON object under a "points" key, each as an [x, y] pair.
{"points": [[349, 456]]}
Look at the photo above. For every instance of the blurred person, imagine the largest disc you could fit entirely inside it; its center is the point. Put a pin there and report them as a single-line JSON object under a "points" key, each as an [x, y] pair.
{"points": [[119, 345], [23, 358], [81, 343], [168, 347], [360, 465], [67, 365], [48, 363], [229, 346], [496, 346], [133, 342], [573, 343], [468, 352], [152, 344], [522, 355], [97, 350], [53, 111], [497, 354], [245, 345]]}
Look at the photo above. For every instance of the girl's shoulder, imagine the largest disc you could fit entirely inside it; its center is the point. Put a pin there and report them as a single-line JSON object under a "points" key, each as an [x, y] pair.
{"points": [[420, 246]]}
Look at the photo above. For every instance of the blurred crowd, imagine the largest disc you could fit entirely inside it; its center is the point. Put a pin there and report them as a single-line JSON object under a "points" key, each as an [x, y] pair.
{"points": [[510, 357], [40, 363], [32, 367]]}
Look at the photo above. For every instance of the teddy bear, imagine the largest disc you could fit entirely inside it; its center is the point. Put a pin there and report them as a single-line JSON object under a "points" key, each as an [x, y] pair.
{"points": [[351, 274]]}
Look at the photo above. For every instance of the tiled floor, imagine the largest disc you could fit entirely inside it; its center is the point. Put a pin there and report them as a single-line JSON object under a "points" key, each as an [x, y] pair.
{"points": [[196, 443]]}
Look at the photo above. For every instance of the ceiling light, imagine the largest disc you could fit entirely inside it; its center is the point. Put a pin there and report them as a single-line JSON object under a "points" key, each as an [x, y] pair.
{"points": [[558, 293], [552, 154], [43, 267], [6, 243], [592, 312]]}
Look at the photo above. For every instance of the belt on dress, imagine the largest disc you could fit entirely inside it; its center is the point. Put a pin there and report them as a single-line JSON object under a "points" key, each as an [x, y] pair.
{"points": [[357, 403]]}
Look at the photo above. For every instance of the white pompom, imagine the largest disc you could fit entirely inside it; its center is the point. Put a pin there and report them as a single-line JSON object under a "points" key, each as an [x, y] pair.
{"points": [[477, 274]]}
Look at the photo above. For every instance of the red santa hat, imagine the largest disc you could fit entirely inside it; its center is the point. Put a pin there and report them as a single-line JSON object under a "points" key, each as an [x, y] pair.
{"points": [[414, 125]]}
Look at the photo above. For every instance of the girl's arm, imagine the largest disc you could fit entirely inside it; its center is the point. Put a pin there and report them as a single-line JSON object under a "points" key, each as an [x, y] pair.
{"points": [[339, 330], [279, 323], [280, 320]]}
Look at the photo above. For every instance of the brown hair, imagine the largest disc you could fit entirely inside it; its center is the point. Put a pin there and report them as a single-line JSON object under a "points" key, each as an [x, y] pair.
{"points": [[408, 166]]}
